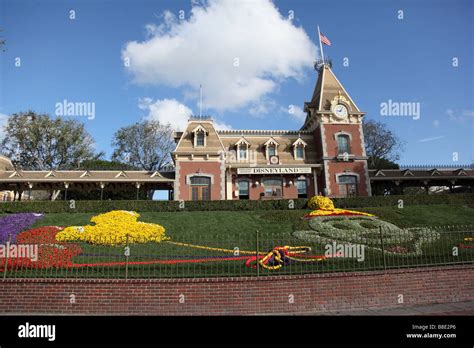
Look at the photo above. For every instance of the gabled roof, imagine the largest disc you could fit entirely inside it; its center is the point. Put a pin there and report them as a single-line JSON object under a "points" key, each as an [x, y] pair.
{"points": [[379, 172], [121, 174], [156, 173], [327, 88], [285, 148], [299, 141], [200, 128], [241, 141], [62, 176], [271, 141], [186, 142], [15, 174]]}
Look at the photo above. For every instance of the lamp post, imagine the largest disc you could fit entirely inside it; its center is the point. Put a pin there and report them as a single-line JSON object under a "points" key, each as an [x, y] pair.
{"points": [[137, 185], [66, 186], [102, 185], [30, 186]]}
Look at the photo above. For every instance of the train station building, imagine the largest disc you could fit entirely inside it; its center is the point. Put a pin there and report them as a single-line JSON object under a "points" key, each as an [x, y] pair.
{"points": [[325, 156]]}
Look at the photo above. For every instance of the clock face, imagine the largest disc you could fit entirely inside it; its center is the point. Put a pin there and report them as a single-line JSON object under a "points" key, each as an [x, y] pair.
{"points": [[340, 111]]}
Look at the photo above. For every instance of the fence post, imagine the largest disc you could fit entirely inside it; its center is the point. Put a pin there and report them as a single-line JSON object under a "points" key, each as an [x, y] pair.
{"points": [[382, 246], [5, 267], [257, 264], [127, 253]]}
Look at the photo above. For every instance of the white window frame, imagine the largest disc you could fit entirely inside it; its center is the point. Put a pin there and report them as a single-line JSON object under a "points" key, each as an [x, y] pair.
{"points": [[271, 142], [299, 143], [199, 129], [242, 142], [349, 142]]}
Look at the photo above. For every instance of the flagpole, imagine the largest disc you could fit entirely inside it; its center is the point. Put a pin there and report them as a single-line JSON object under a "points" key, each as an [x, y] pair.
{"points": [[320, 45], [200, 101]]}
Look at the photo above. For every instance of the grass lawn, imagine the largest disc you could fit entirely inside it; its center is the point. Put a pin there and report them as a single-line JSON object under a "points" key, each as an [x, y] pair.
{"points": [[236, 224], [236, 231]]}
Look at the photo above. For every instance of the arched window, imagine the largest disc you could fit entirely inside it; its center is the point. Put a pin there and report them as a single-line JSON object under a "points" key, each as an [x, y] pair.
{"points": [[200, 188], [273, 187], [343, 144], [347, 185]]}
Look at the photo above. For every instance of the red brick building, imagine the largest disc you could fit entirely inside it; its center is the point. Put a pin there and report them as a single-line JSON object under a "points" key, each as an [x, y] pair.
{"points": [[326, 156]]}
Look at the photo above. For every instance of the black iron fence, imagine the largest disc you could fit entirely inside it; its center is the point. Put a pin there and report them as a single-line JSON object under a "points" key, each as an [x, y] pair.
{"points": [[303, 252]]}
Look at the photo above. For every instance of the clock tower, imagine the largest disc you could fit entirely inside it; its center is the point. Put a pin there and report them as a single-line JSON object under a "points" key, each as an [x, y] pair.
{"points": [[336, 123]]}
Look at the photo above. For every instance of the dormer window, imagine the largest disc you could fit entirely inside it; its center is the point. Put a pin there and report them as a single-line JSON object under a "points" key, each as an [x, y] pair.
{"points": [[271, 148], [299, 152], [242, 149], [200, 134], [299, 149], [242, 152], [200, 138]]}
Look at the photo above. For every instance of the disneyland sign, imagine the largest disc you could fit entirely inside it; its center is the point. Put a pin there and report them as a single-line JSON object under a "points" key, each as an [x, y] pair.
{"points": [[279, 170]]}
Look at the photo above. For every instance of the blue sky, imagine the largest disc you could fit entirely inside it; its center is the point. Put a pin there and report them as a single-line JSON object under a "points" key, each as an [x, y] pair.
{"points": [[403, 60]]}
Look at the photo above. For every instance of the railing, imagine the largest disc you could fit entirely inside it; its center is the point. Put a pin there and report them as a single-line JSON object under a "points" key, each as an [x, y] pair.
{"points": [[308, 252]]}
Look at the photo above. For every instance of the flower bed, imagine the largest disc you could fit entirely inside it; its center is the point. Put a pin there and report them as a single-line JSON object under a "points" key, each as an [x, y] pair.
{"points": [[11, 225], [50, 252], [366, 231], [323, 206], [113, 228]]}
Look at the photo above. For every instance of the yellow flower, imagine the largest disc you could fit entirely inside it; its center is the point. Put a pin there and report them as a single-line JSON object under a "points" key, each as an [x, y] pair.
{"points": [[113, 228], [320, 202], [337, 211]]}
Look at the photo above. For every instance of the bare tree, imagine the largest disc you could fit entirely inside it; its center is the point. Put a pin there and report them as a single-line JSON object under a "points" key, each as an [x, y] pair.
{"points": [[381, 144], [2, 42]]}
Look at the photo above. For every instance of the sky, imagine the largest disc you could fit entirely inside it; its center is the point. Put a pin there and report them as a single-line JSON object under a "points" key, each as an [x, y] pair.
{"points": [[141, 59]]}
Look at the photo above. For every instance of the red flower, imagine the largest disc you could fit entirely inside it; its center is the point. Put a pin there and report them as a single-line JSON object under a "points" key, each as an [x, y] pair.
{"points": [[50, 252]]}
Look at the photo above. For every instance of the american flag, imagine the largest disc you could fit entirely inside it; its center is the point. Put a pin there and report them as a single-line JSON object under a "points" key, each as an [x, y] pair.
{"points": [[324, 39]]}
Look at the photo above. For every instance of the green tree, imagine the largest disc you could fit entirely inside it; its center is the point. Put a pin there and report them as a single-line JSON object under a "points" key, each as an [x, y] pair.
{"points": [[37, 142], [381, 145], [101, 164], [146, 145]]}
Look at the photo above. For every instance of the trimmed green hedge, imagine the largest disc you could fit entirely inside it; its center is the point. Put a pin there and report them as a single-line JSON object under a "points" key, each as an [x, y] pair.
{"points": [[381, 201], [165, 206]]}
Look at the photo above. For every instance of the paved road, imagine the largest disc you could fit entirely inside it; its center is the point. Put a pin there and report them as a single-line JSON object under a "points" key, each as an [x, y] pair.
{"points": [[457, 308]]}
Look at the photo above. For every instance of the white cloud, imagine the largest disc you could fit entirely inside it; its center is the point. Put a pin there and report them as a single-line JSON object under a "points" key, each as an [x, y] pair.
{"points": [[295, 111], [166, 111], [170, 111], [204, 49], [262, 107], [460, 115], [430, 139]]}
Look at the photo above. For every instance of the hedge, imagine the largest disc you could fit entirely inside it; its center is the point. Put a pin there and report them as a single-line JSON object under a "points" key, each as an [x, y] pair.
{"points": [[169, 206]]}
